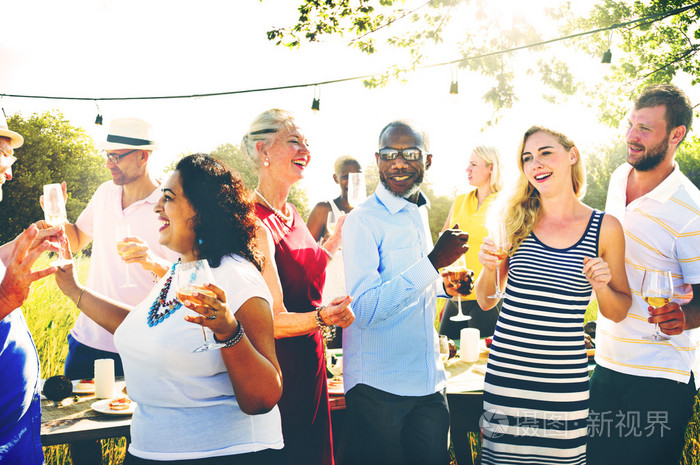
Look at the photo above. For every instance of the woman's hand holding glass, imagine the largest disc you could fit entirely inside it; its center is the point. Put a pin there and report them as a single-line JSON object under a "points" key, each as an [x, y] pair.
{"points": [[333, 243], [492, 256], [209, 301]]}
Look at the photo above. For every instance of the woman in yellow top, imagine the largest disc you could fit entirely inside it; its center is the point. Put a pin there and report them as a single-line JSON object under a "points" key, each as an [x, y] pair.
{"points": [[469, 210]]}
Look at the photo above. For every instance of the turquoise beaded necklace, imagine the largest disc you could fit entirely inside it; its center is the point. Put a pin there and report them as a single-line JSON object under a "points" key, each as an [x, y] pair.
{"points": [[155, 316]]}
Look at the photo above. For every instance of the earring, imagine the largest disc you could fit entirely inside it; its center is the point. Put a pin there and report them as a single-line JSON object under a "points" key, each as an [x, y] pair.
{"points": [[266, 162]]}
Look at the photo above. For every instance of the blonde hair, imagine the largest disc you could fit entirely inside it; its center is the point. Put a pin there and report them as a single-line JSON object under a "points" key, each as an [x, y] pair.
{"points": [[492, 158], [521, 209], [263, 128]]}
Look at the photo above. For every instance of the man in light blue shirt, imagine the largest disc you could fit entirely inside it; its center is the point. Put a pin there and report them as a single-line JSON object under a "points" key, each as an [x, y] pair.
{"points": [[394, 379]]}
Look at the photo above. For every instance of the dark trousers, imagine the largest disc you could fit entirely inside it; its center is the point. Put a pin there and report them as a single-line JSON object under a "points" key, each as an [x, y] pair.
{"points": [[637, 420], [386, 429], [263, 457], [80, 361]]}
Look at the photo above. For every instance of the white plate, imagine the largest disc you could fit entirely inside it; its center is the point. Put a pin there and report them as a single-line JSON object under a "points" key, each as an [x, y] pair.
{"points": [[102, 406], [89, 390]]}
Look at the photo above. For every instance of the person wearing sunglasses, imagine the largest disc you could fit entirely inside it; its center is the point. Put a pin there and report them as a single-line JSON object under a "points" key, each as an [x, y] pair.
{"points": [[394, 380], [128, 199]]}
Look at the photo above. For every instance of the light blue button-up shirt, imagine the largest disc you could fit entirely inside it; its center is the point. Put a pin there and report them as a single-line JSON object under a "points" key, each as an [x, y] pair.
{"points": [[392, 345]]}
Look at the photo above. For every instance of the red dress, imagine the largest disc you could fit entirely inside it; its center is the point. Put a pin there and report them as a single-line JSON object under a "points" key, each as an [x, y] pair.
{"points": [[306, 414]]}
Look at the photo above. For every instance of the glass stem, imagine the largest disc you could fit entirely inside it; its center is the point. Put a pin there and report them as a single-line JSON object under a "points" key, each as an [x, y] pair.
{"points": [[498, 280]]}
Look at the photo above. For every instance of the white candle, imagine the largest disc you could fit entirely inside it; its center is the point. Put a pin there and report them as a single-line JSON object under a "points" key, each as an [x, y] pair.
{"points": [[104, 378], [469, 344]]}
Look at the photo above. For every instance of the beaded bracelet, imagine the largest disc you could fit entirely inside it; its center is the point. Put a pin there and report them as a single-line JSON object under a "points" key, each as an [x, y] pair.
{"points": [[328, 331], [233, 340]]}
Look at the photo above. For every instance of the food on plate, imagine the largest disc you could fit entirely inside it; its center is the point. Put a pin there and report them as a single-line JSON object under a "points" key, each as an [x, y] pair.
{"points": [[85, 385], [123, 403], [453, 348], [57, 388], [488, 341]]}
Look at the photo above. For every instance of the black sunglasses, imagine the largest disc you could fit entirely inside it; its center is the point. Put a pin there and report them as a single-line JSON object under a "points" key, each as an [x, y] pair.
{"points": [[407, 154]]}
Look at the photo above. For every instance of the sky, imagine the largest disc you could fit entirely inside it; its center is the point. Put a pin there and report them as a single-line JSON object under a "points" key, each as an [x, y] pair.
{"points": [[118, 48]]}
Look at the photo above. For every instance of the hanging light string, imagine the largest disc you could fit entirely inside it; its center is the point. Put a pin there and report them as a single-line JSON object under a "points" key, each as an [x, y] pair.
{"points": [[649, 19]]}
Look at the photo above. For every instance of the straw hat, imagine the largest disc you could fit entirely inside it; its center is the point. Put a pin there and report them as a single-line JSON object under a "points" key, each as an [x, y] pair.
{"points": [[129, 133], [16, 140]]}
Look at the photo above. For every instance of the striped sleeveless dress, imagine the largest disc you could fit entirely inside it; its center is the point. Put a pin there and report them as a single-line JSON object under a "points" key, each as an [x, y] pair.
{"points": [[536, 385]]}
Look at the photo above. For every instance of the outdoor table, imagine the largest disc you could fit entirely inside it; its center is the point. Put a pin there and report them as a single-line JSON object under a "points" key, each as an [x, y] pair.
{"points": [[71, 421]]}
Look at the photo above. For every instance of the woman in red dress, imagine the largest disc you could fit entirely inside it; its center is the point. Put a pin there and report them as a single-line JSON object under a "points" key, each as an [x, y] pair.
{"points": [[295, 273]]}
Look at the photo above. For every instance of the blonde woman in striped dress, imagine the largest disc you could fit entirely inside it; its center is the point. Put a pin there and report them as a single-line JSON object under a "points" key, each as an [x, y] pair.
{"points": [[536, 385]]}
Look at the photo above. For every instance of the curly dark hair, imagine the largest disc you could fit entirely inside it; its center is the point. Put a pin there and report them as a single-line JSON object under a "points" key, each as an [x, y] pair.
{"points": [[224, 221]]}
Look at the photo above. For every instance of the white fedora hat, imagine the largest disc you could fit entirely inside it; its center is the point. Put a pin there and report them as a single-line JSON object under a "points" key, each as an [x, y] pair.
{"points": [[128, 133], [16, 140]]}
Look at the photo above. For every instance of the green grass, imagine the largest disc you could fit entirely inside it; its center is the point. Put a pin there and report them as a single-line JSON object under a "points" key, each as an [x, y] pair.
{"points": [[50, 316]]}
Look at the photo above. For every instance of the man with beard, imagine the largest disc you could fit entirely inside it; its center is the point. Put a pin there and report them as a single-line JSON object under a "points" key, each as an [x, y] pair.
{"points": [[393, 377], [642, 390], [128, 199]]}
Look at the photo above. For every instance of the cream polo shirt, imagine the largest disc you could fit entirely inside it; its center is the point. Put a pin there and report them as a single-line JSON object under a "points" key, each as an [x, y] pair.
{"points": [[662, 231], [106, 275]]}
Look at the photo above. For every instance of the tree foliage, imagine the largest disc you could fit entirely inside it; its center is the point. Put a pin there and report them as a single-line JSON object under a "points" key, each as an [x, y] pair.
{"points": [[646, 52], [53, 151], [231, 154], [600, 164]]}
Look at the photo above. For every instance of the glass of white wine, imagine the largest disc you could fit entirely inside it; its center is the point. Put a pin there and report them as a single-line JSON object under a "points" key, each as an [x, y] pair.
{"points": [[457, 274], [331, 221], [122, 232], [500, 239], [357, 192], [657, 291], [55, 214], [191, 277]]}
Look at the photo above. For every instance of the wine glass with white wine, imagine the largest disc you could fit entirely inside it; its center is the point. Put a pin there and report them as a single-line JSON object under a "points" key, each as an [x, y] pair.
{"points": [[458, 275], [191, 277], [55, 214], [331, 221], [123, 231], [500, 239], [657, 291]]}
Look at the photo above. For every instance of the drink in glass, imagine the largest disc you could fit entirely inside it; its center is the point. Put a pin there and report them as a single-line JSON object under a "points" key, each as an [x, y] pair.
{"points": [[357, 192], [657, 291], [458, 275], [500, 239], [123, 231], [192, 277], [55, 214]]}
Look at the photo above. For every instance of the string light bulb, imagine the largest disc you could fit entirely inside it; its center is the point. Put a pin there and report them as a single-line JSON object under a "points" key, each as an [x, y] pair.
{"points": [[607, 56], [98, 119], [316, 104]]}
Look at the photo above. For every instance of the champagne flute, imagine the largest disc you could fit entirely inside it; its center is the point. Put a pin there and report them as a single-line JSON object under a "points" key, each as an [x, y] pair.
{"points": [[657, 291], [500, 238], [331, 221], [457, 274], [357, 192], [191, 278], [55, 214], [123, 230]]}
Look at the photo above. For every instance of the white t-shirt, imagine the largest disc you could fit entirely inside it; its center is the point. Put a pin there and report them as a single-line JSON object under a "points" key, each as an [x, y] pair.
{"points": [[186, 407], [106, 275], [662, 232]]}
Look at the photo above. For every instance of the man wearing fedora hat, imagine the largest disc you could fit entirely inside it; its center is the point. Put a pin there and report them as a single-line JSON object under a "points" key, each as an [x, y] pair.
{"points": [[20, 408], [128, 199]]}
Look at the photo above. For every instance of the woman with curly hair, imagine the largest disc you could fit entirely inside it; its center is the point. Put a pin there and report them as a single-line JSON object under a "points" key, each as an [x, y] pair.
{"points": [[536, 384], [212, 407]]}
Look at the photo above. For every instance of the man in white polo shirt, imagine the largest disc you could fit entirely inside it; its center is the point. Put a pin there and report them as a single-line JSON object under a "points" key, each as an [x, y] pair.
{"points": [[642, 391], [128, 199]]}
